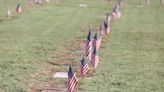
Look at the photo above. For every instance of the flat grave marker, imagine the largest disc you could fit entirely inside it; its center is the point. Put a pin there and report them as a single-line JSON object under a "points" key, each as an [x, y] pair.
{"points": [[60, 75]]}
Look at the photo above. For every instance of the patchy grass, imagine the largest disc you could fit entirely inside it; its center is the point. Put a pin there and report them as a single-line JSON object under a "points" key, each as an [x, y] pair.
{"points": [[131, 60], [33, 38]]}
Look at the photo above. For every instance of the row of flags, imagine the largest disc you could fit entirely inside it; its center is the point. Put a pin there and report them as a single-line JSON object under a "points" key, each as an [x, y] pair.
{"points": [[92, 44], [19, 8], [92, 47], [84, 68]]}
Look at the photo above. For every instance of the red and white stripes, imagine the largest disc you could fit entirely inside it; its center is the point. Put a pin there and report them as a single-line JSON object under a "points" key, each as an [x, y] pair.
{"points": [[89, 49]]}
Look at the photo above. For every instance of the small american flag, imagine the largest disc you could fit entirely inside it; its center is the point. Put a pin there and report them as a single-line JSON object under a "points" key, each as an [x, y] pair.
{"points": [[95, 58], [97, 41], [117, 10], [106, 27], [88, 48], [84, 68], [18, 8], [72, 81]]}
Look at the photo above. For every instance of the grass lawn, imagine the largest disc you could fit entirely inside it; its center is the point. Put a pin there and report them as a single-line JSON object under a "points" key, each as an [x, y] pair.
{"points": [[131, 57]]}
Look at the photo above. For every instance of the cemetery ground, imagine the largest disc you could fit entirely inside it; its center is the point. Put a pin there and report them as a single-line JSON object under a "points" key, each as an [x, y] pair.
{"points": [[35, 43]]}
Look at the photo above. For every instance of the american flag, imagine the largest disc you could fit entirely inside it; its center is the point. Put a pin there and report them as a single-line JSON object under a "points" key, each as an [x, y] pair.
{"points": [[106, 27], [18, 8], [97, 41], [88, 48], [84, 68], [72, 81], [95, 58], [117, 10], [108, 17]]}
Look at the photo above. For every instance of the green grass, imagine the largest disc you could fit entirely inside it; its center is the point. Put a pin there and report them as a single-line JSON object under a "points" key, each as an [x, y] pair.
{"points": [[133, 58], [131, 61]]}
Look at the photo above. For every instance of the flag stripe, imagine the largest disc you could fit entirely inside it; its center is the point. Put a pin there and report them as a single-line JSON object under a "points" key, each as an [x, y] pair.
{"points": [[72, 80], [89, 49], [84, 69], [95, 60], [72, 83], [97, 43]]}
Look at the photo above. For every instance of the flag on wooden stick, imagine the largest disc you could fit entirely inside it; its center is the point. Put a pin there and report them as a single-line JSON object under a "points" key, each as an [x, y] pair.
{"points": [[106, 27], [97, 41], [117, 10], [72, 80], [18, 8], [84, 68], [88, 47], [95, 58]]}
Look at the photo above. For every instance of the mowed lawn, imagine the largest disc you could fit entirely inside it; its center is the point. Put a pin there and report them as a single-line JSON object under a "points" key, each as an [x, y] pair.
{"points": [[131, 57]]}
